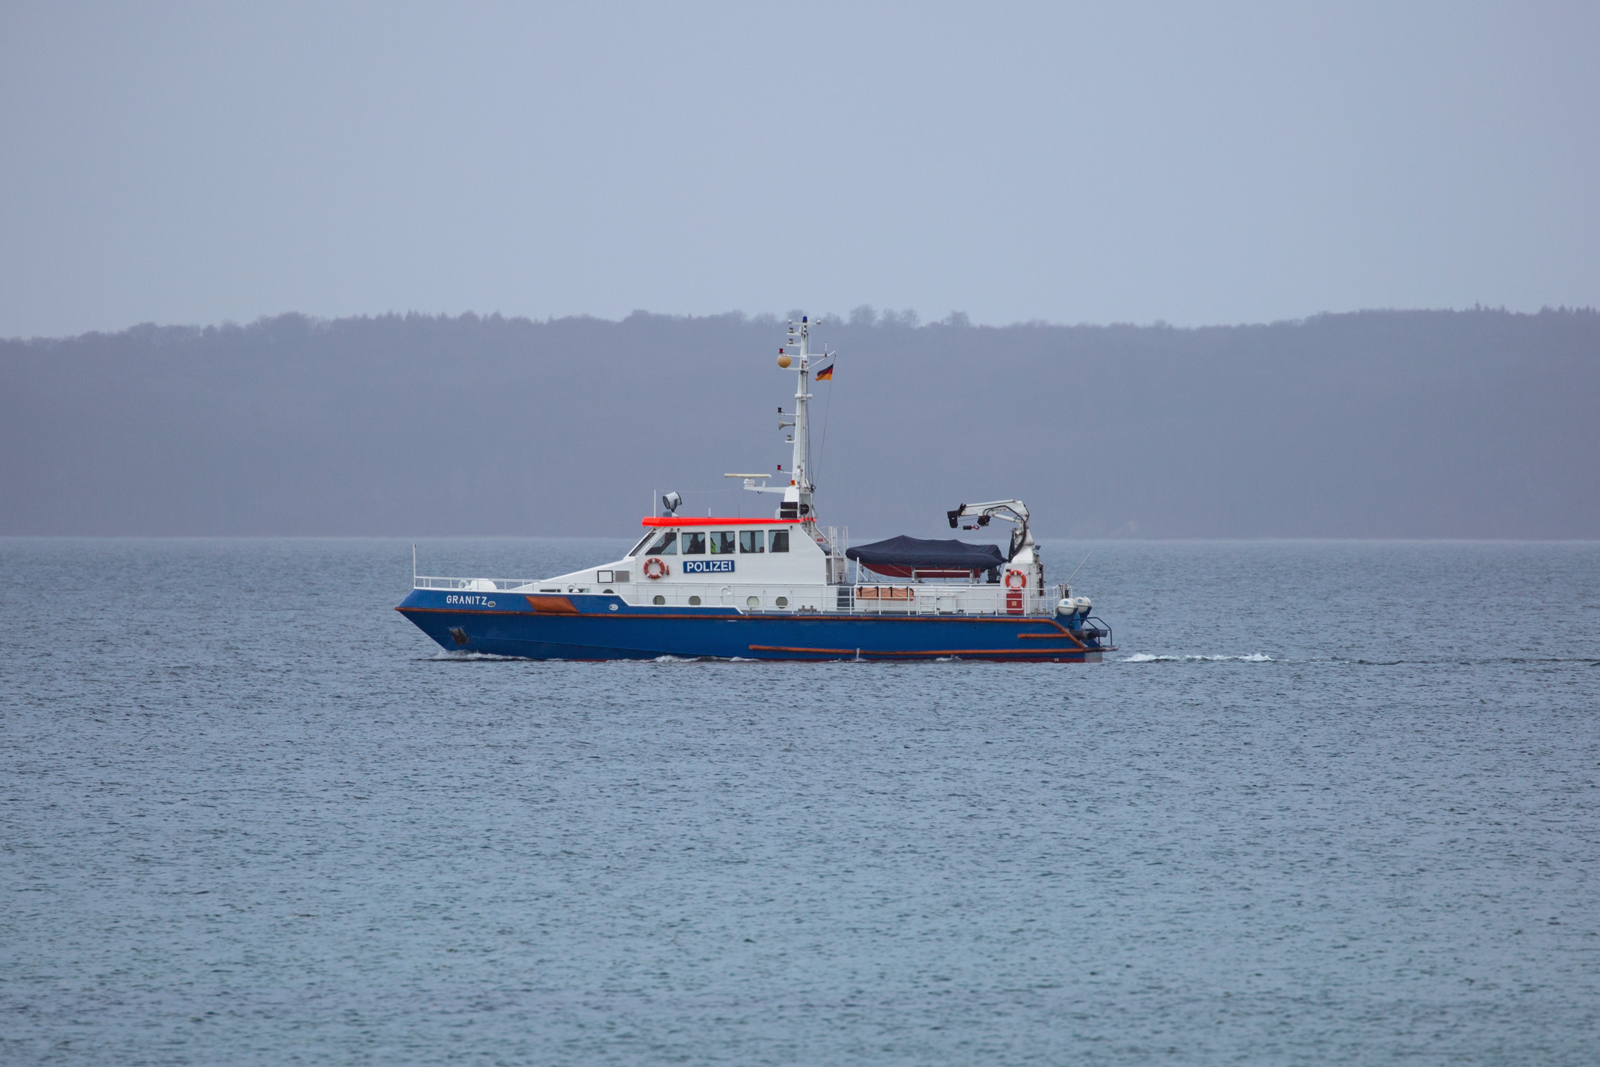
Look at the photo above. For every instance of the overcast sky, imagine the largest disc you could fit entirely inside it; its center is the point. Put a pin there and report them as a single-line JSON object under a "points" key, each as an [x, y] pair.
{"points": [[196, 163]]}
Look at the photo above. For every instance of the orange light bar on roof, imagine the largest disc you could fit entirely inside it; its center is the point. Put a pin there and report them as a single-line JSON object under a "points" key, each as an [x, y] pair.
{"points": [[707, 520]]}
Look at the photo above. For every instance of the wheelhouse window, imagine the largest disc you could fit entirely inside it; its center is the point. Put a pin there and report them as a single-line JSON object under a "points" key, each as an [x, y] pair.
{"points": [[694, 542], [752, 540], [722, 543], [667, 545], [640, 545], [780, 540]]}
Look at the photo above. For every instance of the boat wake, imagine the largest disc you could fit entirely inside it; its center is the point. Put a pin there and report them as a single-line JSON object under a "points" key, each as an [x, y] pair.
{"points": [[1145, 657]]}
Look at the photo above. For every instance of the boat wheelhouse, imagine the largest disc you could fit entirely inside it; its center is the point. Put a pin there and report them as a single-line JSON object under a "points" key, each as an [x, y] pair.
{"points": [[778, 588]]}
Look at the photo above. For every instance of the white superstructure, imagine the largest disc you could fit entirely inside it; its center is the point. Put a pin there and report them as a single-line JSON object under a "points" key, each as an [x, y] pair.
{"points": [[789, 563]]}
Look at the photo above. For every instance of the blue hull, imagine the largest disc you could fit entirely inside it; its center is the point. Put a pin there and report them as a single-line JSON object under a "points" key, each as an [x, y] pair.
{"points": [[606, 628]]}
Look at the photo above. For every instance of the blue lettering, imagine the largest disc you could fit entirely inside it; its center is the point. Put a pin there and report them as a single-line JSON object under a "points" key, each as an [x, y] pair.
{"points": [[708, 566]]}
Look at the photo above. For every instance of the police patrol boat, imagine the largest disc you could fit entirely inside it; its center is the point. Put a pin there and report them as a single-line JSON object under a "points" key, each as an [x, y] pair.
{"points": [[779, 588]]}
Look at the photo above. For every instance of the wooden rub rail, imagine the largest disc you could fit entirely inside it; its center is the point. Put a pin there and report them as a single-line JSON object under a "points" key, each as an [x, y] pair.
{"points": [[863, 653], [885, 592]]}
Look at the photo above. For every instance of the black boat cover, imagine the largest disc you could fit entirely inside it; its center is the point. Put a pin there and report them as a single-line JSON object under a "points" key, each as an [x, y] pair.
{"points": [[898, 557]]}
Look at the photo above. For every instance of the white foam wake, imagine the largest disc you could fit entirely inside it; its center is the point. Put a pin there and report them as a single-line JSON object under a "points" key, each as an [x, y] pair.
{"points": [[1145, 657]]}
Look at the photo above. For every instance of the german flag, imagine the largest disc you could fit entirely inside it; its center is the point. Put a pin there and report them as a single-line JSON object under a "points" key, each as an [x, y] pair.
{"points": [[825, 374]]}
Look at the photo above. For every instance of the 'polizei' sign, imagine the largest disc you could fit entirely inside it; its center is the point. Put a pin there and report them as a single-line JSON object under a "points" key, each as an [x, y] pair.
{"points": [[708, 566]]}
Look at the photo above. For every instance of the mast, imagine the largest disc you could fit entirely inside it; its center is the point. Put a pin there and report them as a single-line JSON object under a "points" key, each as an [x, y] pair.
{"points": [[797, 501], [799, 466]]}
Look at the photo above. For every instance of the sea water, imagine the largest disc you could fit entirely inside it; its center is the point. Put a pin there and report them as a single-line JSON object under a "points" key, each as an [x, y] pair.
{"points": [[1330, 802]]}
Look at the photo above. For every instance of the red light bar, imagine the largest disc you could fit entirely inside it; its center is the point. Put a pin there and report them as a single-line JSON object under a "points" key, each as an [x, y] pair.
{"points": [[707, 520]]}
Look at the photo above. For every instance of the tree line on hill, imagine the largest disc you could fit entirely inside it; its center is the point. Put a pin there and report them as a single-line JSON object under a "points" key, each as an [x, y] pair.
{"points": [[1409, 424]]}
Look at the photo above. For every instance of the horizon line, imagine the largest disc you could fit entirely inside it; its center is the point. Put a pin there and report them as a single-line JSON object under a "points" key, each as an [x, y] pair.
{"points": [[864, 316]]}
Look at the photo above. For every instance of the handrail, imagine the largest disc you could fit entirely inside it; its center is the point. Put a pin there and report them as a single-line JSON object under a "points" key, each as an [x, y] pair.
{"points": [[927, 599], [422, 581], [859, 598], [1110, 641]]}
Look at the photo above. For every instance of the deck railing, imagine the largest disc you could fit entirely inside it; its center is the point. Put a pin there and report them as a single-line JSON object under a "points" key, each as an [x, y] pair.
{"points": [[881, 598], [865, 598], [481, 585]]}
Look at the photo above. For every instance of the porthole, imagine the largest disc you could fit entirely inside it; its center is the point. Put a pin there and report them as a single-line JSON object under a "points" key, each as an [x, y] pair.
{"points": [[752, 602], [613, 607], [783, 602], [694, 601], [659, 600]]}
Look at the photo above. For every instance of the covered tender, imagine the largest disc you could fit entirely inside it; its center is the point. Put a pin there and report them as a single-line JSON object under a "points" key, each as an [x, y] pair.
{"points": [[916, 557]]}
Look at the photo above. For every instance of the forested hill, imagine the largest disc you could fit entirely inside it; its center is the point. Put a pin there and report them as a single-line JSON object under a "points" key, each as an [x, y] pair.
{"points": [[1375, 424]]}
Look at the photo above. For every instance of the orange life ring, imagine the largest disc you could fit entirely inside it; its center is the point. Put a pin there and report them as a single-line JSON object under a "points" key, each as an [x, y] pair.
{"points": [[1023, 584], [662, 569]]}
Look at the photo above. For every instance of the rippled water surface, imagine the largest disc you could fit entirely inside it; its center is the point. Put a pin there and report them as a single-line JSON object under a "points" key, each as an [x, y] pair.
{"points": [[1330, 802]]}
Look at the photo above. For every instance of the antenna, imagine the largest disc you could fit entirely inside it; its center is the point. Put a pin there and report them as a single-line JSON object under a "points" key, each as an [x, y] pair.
{"points": [[1078, 568], [827, 408]]}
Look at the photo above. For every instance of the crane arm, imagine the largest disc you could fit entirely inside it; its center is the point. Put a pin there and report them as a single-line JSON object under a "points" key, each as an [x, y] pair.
{"points": [[1010, 510]]}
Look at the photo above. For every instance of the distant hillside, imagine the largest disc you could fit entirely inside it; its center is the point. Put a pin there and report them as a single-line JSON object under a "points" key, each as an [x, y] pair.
{"points": [[1377, 424]]}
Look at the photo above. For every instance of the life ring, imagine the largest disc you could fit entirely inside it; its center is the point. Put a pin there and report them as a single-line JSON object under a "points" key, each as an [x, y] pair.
{"points": [[661, 568], [1022, 582]]}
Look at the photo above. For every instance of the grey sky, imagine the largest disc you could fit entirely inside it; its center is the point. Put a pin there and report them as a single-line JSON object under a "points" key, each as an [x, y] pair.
{"points": [[204, 162]]}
